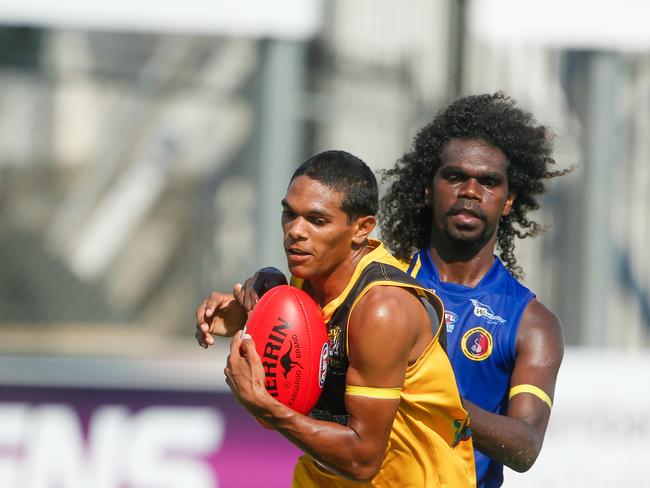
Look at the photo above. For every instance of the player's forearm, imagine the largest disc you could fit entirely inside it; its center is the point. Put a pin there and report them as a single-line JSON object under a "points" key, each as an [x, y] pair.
{"points": [[338, 447], [510, 441]]}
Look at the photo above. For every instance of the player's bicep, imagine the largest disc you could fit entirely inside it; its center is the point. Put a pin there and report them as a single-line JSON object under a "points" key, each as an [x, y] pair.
{"points": [[381, 334], [540, 347]]}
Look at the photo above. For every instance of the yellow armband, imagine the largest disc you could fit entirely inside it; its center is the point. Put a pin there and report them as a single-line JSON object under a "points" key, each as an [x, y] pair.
{"points": [[372, 392], [538, 392]]}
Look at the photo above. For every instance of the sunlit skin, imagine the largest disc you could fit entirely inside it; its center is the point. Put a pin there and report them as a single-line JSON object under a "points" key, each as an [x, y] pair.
{"points": [[470, 194]]}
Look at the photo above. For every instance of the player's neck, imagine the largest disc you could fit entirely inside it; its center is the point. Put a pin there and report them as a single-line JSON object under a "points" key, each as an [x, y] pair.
{"points": [[462, 263], [324, 289]]}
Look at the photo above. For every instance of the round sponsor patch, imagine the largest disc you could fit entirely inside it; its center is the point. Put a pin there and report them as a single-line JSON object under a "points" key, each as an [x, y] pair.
{"points": [[477, 344]]}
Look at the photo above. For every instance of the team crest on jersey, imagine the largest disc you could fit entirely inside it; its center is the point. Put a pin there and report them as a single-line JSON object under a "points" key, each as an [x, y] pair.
{"points": [[477, 344], [450, 320], [334, 345], [484, 311], [462, 431]]}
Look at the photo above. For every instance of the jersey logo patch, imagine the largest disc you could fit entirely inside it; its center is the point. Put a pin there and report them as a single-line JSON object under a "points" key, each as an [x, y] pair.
{"points": [[462, 431], [477, 344], [484, 311], [334, 347], [450, 320]]}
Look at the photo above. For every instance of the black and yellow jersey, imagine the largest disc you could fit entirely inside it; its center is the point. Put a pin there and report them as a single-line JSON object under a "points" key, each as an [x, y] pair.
{"points": [[429, 444]]}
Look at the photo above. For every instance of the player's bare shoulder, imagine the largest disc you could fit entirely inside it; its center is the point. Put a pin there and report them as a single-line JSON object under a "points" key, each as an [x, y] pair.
{"points": [[391, 317], [540, 330], [389, 306]]}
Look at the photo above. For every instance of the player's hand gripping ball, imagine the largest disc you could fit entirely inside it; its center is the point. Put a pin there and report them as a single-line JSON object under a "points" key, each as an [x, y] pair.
{"points": [[291, 338]]}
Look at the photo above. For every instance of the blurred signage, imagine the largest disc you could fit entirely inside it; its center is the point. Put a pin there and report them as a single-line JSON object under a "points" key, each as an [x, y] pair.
{"points": [[579, 24], [599, 430], [284, 19], [134, 437], [92, 438]]}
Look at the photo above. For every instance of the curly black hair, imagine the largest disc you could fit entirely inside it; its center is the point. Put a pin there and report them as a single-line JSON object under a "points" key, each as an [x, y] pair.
{"points": [[405, 218]]}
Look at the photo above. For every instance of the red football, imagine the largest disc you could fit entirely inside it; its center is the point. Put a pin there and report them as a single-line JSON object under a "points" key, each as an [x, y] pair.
{"points": [[291, 338]]}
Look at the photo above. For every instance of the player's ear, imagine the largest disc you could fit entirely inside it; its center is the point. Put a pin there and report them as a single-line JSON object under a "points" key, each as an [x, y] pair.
{"points": [[508, 205], [363, 226]]}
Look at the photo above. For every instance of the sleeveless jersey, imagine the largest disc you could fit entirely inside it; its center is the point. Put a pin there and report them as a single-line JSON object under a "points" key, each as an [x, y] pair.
{"points": [[429, 444], [482, 324]]}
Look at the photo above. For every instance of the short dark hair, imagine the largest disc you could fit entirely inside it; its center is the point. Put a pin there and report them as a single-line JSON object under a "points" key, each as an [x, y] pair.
{"points": [[343, 172], [405, 219]]}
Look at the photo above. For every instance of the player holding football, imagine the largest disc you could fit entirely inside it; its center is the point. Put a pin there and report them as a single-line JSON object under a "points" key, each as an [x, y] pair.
{"points": [[471, 179], [390, 413], [469, 182]]}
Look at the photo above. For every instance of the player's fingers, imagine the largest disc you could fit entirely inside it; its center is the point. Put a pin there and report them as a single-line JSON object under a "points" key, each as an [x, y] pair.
{"points": [[199, 339], [234, 348], [250, 299], [200, 312], [250, 295], [238, 293], [247, 348], [226, 373], [212, 303], [203, 336], [205, 340]]}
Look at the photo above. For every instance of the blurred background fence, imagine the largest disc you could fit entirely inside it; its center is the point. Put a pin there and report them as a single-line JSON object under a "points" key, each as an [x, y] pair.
{"points": [[144, 150]]}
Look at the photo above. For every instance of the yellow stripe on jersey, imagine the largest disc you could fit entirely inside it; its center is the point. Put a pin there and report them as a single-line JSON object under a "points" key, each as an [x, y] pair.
{"points": [[296, 282], [404, 264], [416, 268], [532, 389], [373, 392]]}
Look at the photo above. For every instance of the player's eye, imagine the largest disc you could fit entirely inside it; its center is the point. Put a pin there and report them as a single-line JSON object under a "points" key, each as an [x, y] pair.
{"points": [[317, 221], [490, 182], [454, 178]]}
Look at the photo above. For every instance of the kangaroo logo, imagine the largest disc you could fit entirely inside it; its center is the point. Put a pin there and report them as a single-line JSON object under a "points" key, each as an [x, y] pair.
{"points": [[287, 363]]}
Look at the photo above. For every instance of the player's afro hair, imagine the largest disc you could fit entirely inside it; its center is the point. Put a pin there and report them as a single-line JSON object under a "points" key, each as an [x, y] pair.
{"points": [[405, 218]]}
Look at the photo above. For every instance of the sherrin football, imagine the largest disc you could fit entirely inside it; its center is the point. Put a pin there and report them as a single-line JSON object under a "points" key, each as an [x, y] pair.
{"points": [[291, 338]]}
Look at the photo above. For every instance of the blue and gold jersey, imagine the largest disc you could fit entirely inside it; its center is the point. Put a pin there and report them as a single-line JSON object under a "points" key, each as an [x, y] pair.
{"points": [[482, 324]]}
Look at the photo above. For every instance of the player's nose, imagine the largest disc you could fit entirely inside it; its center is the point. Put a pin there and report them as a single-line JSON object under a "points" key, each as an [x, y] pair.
{"points": [[470, 188], [296, 229]]}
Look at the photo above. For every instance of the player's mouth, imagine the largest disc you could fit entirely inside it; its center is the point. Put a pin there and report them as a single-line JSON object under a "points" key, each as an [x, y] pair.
{"points": [[296, 255], [467, 218], [465, 215]]}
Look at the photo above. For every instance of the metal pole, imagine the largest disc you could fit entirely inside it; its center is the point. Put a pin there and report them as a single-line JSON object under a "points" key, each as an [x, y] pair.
{"points": [[457, 30], [280, 143], [601, 152]]}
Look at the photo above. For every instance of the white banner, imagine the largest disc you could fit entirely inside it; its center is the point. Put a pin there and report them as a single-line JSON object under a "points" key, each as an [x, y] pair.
{"points": [[599, 433], [285, 19], [583, 24]]}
